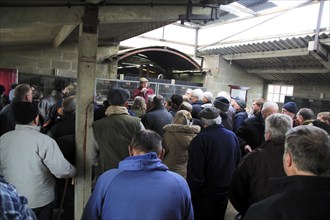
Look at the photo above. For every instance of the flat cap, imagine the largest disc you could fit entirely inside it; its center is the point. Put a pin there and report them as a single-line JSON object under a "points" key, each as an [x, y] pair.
{"points": [[209, 113], [142, 79]]}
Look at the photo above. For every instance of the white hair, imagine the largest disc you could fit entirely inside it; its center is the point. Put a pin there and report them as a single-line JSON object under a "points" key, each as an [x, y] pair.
{"points": [[210, 122], [224, 94], [208, 95], [197, 93], [267, 105]]}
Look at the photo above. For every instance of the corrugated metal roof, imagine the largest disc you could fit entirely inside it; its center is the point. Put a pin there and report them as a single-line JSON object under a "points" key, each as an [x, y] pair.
{"points": [[257, 5], [281, 44], [303, 67]]}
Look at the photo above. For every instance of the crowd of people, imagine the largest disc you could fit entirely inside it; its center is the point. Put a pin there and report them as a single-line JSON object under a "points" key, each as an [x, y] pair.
{"points": [[183, 158]]}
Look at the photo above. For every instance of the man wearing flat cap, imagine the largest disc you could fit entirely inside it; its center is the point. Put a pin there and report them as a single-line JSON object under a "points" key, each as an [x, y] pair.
{"points": [[114, 132], [143, 90], [240, 112], [212, 159], [29, 159]]}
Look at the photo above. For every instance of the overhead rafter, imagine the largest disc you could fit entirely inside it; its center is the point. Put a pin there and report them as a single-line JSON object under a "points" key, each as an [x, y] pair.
{"points": [[287, 70], [63, 34], [133, 14], [267, 54]]}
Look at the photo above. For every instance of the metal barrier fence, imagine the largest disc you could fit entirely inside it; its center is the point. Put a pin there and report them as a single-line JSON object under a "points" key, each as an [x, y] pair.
{"points": [[165, 89]]}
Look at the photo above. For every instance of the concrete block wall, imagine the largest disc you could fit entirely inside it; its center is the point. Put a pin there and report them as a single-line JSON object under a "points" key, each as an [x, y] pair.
{"points": [[223, 74], [312, 90], [62, 61]]}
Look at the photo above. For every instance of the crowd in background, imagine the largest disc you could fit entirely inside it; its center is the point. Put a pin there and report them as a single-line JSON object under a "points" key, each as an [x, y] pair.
{"points": [[202, 150]]}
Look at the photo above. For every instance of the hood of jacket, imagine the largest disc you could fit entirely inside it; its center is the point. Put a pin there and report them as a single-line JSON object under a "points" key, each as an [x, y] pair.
{"points": [[190, 129], [148, 161]]}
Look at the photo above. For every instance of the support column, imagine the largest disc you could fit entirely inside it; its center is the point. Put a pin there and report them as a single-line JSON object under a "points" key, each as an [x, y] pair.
{"points": [[88, 41], [109, 70]]}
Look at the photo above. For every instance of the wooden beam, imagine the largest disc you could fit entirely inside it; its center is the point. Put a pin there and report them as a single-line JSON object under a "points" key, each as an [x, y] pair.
{"points": [[63, 34], [267, 54]]}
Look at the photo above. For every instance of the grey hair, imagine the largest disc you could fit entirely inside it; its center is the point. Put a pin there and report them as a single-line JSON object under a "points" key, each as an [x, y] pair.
{"points": [[197, 93], [210, 122], [309, 147], [277, 125], [208, 95], [267, 105], [21, 91]]}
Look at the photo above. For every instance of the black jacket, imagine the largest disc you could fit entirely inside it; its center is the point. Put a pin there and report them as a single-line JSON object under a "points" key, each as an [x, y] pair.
{"points": [[251, 132], [7, 120], [156, 119], [298, 197], [250, 182]]}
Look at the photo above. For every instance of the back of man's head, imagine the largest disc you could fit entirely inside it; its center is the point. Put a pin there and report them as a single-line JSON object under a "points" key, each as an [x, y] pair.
{"points": [[276, 126], [146, 141], [21, 91], [118, 96], [198, 94], [158, 101], [176, 101], [269, 108], [24, 112], [306, 113], [309, 147]]}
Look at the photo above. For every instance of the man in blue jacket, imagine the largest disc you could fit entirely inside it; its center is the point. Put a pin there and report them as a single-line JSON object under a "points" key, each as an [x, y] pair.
{"points": [[142, 187], [213, 156]]}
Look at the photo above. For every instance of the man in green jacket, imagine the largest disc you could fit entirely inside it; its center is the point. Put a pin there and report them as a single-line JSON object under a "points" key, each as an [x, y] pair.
{"points": [[114, 132]]}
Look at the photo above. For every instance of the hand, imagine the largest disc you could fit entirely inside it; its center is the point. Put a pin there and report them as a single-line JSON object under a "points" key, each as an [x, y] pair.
{"points": [[247, 149], [144, 89]]}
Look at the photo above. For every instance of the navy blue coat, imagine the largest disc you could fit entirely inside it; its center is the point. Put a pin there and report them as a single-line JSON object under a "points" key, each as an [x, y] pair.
{"points": [[213, 156]]}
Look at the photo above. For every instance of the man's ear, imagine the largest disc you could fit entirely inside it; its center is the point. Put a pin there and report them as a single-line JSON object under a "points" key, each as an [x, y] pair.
{"points": [[267, 136], [287, 163], [130, 151], [161, 154], [36, 120]]}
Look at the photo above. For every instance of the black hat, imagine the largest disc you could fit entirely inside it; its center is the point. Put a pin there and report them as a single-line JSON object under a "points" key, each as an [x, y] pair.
{"points": [[221, 103], [209, 113], [118, 96], [290, 107], [24, 112], [241, 103]]}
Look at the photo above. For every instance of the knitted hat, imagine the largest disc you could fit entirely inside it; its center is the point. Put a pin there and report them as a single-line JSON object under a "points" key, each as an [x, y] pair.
{"points": [[290, 107], [241, 103], [221, 103], [209, 113], [24, 112], [118, 96], [144, 80]]}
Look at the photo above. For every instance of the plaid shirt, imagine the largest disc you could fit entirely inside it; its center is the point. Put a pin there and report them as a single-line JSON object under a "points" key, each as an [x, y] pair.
{"points": [[13, 205]]}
